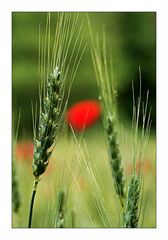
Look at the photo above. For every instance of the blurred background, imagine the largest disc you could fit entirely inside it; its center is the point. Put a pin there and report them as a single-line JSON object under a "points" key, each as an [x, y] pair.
{"points": [[132, 40]]}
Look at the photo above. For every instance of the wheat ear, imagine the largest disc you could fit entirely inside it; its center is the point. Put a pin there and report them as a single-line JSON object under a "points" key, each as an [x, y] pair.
{"points": [[133, 200], [48, 123], [60, 221], [103, 69], [56, 64], [131, 214], [115, 157]]}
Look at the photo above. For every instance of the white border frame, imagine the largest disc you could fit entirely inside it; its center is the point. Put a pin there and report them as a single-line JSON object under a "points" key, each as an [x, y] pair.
{"points": [[6, 7]]}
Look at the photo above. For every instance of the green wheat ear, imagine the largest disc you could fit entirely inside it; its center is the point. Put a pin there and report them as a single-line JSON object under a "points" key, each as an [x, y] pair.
{"points": [[107, 91], [60, 218], [131, 214], [58, 63], [48, 123], [115, 157], [133, 202], [64, 216]]}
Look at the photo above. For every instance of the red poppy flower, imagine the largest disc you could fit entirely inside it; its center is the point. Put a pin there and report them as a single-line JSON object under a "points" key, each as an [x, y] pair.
{"points": [[24, 150], [83, 114]]}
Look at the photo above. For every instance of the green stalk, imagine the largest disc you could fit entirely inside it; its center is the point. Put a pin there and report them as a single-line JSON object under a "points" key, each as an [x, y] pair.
{"points": [[32, 202]]}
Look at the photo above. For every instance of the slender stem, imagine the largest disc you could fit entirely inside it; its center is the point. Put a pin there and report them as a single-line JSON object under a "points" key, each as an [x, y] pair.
{"points": [[32, 202]]}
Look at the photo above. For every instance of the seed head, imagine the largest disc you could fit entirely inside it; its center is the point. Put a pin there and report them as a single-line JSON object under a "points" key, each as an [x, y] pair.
{"points": [[131, 215], [115, 157], [48, 123]]}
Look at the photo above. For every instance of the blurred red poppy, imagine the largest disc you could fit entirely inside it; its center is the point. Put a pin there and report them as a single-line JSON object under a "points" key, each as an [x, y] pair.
{"points": [[83, 114], [24, 150], [146, 167], [24, 154]]}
